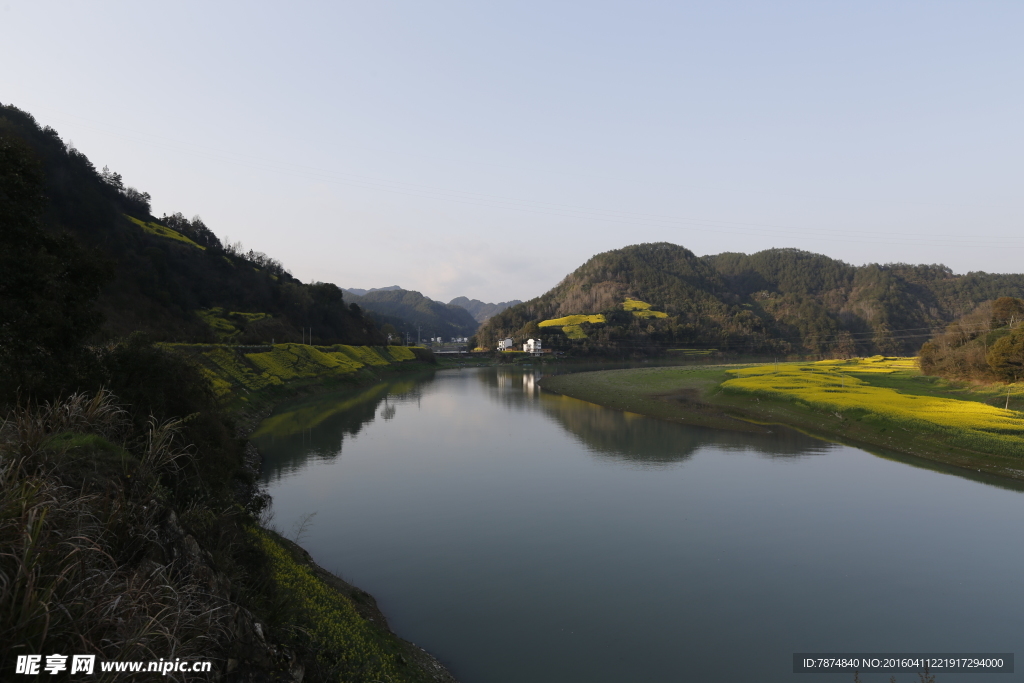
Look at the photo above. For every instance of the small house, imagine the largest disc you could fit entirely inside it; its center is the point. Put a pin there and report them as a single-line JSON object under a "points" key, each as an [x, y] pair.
{"points": [[532, 346], [506, 344]]}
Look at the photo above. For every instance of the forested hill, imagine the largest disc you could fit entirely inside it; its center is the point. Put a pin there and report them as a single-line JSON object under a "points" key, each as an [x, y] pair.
{"points": [[361, 292], [651, 297], [481, 310], [172, 277], [412, 313]]}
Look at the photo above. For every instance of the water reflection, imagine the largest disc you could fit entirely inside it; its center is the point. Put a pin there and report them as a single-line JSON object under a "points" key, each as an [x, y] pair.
{"points": [[524, 536], [632, 437], [316, 428]]}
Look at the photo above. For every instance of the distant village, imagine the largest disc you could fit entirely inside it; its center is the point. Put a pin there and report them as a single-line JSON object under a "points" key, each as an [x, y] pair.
{"points": [[532, 346], [440, 345]]}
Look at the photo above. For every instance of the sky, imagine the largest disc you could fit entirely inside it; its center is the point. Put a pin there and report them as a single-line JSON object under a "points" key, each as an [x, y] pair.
{"points": [[487, 149]]}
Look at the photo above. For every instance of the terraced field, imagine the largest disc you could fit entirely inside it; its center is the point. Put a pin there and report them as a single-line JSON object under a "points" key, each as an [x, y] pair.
{"points": [[237, 370]]}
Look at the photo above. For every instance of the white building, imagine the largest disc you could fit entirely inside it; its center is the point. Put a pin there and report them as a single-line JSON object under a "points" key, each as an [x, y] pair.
{"points": [[506, 344], [532, 346]]}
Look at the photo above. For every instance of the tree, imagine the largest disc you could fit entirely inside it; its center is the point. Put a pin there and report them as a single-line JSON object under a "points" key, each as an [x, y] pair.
{"points": [[112, 179], [47, 286], [845, 346], [1007, 310], [1006, 357], [194, 229], [530, 330]]}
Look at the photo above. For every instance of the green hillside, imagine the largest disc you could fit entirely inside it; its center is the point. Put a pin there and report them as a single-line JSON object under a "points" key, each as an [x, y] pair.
{"points": [[407, 309], [986, 344], [481, 310], [163, 272], [129, 505], [779, 301]]}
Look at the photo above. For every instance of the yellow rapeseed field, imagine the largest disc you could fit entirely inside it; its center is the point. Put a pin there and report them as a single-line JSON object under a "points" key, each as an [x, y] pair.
{"points": [[650, 314], [571, 324], [642, 309], [635, 305], [361, 354], [401, 353], [225, 329], [572, 320], [291, 361], [834, 386]]}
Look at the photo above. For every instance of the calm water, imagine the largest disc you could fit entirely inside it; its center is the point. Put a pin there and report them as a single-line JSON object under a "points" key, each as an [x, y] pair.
{"points": [[523, 536]]}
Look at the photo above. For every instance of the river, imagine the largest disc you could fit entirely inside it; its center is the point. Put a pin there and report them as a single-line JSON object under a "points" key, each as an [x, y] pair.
{"points": [[524, 536]]}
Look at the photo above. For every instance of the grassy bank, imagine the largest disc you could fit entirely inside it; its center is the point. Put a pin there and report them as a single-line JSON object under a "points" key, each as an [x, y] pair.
{"points": [[115, 543], [880, 403], [337, 622], [336, 629], [249, 380], [235, 370]]}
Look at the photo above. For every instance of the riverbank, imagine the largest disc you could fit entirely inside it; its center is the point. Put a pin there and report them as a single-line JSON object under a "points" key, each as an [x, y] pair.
{"points": [[343, 630], [952, 424], [345, 636], [250, 381], [330, 629]]}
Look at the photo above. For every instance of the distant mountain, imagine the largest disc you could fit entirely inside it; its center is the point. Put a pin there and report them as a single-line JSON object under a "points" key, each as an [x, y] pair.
{"points": [[407, 310], [651, 297], [479, 310], [362, 292], [171, 277]]}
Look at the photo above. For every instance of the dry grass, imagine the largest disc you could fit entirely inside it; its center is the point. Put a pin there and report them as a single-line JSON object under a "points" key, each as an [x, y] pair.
{"points": [[83, 553]]}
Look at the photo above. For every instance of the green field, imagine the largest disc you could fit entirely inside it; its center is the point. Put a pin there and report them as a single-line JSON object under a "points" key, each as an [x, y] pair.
{"points": [[880, 403], [236, 372]]}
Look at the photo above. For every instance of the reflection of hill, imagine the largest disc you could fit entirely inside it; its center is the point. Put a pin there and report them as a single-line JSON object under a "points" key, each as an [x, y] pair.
{"points": [[316, 428], [628, 436]]}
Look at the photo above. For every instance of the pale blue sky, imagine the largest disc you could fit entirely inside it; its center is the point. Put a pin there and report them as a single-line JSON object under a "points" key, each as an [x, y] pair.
{"points": [[487, 149]]}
